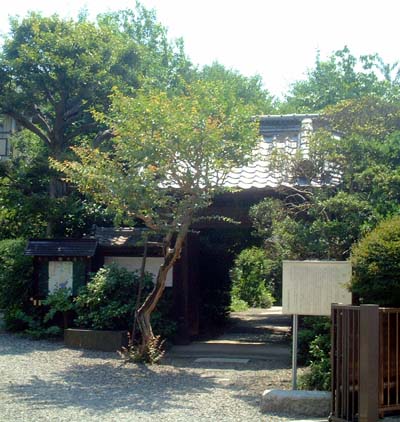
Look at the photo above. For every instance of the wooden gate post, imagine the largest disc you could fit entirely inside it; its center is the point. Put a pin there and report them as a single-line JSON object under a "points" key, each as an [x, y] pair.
{"points": [[369, 363]]}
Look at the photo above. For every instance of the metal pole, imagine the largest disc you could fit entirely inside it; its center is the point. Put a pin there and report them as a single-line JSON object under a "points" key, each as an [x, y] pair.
{"points": [[294, 351]]}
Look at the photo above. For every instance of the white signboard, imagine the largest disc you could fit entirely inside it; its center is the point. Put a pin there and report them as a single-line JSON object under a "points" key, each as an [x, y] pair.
{"points": [[310, 287], [60, 275], [132, 263]]}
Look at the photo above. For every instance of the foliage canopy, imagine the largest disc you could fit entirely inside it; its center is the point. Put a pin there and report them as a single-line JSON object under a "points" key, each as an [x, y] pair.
{"points": [[376, 268]]}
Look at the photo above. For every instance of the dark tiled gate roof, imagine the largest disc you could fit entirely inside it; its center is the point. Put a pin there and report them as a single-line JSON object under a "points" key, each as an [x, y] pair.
{"points": [[124, 236], [61, 247]]}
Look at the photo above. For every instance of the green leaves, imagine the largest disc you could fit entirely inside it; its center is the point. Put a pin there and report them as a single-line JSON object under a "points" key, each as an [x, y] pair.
{"points": [[108, 301], [341, 77], [57, 69], [185, 142], [253, 278], [376, 267]]}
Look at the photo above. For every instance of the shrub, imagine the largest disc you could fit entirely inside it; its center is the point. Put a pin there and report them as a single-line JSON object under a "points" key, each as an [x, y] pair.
{"points": [[251, 278], [151, 353], [30, 323], [16, 285], [376, 265], [310, 327], [108, 302], [59, 302], [15, 275], [314, 350], [318, 376], [238, 305]]}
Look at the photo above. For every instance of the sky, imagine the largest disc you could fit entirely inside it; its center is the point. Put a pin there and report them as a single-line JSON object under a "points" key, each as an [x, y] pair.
{"points": [[278, 39]]}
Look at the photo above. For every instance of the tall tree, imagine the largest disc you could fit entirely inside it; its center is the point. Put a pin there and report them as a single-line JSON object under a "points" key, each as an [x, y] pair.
{"points": [[163, 63], [341, 77], [169, 157], [54, 72], [249, 89]]}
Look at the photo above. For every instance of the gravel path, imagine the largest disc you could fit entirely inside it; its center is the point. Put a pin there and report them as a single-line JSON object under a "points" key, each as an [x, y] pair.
{"points": [[45, 381]]}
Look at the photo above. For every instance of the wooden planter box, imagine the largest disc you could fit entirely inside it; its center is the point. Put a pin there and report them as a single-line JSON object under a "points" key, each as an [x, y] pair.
{"points": [[106, 341]]}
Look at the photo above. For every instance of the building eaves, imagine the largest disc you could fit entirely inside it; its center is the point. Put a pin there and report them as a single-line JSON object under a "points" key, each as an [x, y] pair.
{"points": [[61, 247]]}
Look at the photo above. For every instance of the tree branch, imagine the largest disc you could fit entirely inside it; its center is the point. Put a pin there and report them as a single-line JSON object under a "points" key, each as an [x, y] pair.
{"points": [[103, 136], [27, 124], [42, 119], [70, 114], [80, 130]]}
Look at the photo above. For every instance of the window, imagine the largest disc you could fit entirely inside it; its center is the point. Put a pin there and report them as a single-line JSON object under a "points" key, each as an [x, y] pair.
{"points": [[3, 147]]}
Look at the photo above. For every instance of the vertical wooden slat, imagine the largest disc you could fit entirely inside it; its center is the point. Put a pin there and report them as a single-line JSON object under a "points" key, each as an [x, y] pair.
{"points": [[333, 360], [351, 358], [338, 389], [381, 358], [388, 359], [344, 364], [336, 356], [358, 362], [341, 383], [369, 363], [347, 366], [397, 357]]}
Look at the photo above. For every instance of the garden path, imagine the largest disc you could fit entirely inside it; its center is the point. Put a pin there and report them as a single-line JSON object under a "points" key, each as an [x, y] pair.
{"points": [[252, 334]]}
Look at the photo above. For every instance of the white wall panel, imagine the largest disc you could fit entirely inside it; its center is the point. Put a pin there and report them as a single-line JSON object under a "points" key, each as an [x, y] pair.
{"points": [[132, 263]]}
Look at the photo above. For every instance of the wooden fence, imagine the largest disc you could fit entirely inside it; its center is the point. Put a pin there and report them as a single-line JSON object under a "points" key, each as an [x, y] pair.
{"points": [[365, 362]]}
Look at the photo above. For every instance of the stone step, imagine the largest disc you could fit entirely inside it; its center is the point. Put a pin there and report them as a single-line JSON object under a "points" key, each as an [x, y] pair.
{"points": [[230, 349]]}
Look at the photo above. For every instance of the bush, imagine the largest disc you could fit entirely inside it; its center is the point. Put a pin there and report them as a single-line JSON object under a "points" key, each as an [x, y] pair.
{"points": [[59, 302], [108, 302], [16, 286], [238, 305], [15, 275], [314, 350], [318, 376], [310, 327], [40, 322], [152, 353], [30, 322], [251, 278], [376, 265]]}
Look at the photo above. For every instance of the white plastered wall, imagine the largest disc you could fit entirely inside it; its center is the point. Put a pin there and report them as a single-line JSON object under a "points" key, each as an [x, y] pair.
{"points": [[132, 263]]}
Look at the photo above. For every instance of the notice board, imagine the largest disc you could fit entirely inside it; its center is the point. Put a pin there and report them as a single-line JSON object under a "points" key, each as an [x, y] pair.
{"points": [[310, 287]]}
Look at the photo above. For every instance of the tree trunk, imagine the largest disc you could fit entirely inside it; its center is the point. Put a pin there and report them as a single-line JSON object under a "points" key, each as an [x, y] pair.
{"points": [[145, 311], [139, 294], [57, 189]]}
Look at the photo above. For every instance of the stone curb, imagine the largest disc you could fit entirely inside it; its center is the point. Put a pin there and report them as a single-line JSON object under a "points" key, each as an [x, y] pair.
{"points": [[297, 403]]}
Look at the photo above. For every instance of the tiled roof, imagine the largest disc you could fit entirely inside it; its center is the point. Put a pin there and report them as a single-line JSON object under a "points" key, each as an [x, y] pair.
{"points": [[63, 247], [288, 134], [258, 174], [124, 236]]}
